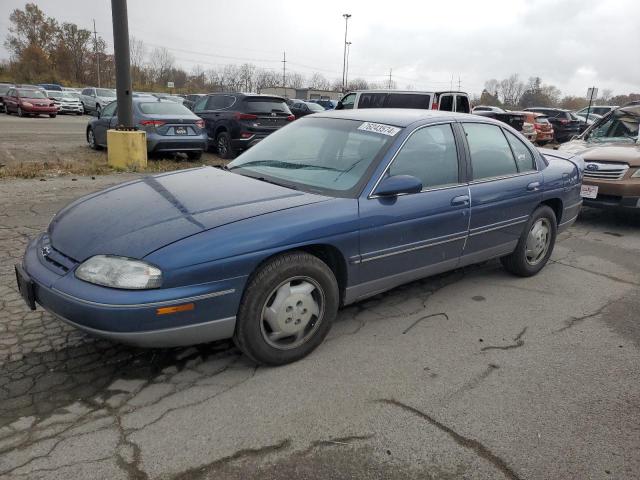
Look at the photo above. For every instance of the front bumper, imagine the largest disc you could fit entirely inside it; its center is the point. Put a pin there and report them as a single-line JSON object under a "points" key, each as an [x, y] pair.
{"points": [[70, 108], [40, 110], [132, 317], [623, 193]]}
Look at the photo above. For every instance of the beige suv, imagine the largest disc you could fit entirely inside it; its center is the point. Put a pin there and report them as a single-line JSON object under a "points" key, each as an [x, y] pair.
{"points": [[611, 152]]}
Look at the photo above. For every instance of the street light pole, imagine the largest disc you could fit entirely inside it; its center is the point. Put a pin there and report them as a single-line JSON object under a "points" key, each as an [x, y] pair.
{"points": [[346, 72], [121, 54], [344, 58]]}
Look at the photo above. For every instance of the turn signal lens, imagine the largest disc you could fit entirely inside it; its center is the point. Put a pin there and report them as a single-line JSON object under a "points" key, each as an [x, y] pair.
{"points": [[186, 307]]}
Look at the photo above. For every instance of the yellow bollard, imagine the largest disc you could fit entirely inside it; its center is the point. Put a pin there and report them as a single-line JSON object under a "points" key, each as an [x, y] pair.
{"points": [[127, 150]]}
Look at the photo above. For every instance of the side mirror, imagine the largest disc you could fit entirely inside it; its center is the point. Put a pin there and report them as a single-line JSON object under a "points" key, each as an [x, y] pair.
{"points": [[339, 105], [398, 185]]}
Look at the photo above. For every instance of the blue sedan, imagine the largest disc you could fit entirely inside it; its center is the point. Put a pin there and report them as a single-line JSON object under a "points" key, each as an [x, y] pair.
{"points": [[332, 209]]}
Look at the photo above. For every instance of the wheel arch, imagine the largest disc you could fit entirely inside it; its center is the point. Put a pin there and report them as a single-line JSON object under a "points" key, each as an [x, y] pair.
{"points": [[327, 253], [556, 205]]}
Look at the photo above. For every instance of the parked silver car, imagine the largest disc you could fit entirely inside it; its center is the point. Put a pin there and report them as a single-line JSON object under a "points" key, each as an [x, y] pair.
{"points": [[66, 102], [94, 99]]}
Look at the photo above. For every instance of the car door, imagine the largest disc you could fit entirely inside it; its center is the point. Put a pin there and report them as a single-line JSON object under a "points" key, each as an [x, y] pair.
{"points": [[10, 101], [505, 188], [103, 123], [411, 236]]}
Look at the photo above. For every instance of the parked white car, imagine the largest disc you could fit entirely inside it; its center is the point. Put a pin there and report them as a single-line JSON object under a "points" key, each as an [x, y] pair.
{"points": [[94, 99], [445, 100], [66, 102]]}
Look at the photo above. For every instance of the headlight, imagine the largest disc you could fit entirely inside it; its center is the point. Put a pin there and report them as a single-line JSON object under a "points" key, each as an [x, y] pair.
{"points": [[27, 104], [119, 272], [636, 174]]}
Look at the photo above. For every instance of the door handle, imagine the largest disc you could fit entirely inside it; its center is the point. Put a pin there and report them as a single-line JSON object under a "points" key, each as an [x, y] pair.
{"points": [[533, 186], [460, 200]]}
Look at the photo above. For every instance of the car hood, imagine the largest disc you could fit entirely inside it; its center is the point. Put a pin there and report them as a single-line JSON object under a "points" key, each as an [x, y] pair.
{"points": [[136, 218], [609, 152], [35, 100]]}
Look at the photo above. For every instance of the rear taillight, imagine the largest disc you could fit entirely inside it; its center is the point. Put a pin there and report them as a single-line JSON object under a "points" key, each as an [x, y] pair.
{"points": [[152, 123], [291, 118], [537, 126], [200, 123], [246, 135], [246, 116]]}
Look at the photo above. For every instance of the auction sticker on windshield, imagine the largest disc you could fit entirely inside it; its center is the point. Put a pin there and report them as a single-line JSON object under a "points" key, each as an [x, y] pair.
{"points": [[379, 128]]}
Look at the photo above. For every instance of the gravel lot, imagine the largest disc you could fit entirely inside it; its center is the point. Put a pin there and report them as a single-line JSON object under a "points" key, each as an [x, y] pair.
{"points": [[473, 374], [44, 139]]}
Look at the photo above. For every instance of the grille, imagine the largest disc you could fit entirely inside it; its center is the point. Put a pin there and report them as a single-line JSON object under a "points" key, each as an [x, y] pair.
{"points": [[54, 259], [605, 171]]}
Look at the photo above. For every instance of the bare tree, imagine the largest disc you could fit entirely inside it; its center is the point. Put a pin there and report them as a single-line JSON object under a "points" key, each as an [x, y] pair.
{"points": [[137, 55], [295, 80], [318, 81], [511, 89], [492, 86], [162, 61]]}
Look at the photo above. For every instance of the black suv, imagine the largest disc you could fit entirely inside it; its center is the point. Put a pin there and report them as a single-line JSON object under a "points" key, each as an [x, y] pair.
{"points": [[237, 121], [565, 125]]}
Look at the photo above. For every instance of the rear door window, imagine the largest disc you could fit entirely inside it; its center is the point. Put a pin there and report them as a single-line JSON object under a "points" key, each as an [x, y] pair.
{"points": [[446, 103], [408, 100], [371, 100], [462, 104], [429, 154], [490, 152], [524, 157]]}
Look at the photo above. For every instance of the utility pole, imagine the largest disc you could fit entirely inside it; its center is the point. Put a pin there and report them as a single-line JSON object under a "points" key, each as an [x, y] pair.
{"points": [[344, 57], [284, 71], [459, 85], [390, 70], [121, 54], [346, 72], [95, 49]]}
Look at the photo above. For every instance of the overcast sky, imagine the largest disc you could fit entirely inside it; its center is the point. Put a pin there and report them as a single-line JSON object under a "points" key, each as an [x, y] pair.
{"points": [[572, 44]]}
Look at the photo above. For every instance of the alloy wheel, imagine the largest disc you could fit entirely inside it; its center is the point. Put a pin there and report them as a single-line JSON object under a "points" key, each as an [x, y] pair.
{"points": [[92, 139], [223, 146]]}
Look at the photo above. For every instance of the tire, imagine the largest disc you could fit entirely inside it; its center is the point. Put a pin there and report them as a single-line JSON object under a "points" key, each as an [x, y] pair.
{"points": [[535, 244], [98, 108], [309, 286], [91, 139], [224, 146], [6, 110], [194, 155], [78, 113], [52, 115], [20, 112]]}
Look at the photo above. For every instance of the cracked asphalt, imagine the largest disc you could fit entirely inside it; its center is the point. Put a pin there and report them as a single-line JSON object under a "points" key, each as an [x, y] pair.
{"points": [[474, 374]]}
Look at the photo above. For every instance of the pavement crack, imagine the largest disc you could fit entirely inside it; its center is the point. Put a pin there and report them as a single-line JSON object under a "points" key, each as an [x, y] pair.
{"points": [[599, 274], [339, 441], [518, 339], [474, 382], [424, 318], [573, 321], [245, 453], [469, 443]]}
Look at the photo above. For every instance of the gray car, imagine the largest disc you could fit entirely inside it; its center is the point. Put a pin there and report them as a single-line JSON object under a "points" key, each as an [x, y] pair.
{"points": [[170, 127], [95, 99]]}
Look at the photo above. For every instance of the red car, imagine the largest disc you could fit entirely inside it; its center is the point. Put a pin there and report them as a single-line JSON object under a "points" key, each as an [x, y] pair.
{"points": [[28, 101]]}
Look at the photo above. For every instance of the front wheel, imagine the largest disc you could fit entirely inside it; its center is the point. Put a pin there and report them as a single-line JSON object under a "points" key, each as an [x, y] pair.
{"points": [[535, 244], [287, 309], [224, 147], [52, 115], [91, 139]]}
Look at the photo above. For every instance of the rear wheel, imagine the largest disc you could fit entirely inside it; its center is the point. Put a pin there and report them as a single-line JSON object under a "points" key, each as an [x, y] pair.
{"points": [[91, 139], [194, 155], [224, 147], [287, 309], [535, 244]]}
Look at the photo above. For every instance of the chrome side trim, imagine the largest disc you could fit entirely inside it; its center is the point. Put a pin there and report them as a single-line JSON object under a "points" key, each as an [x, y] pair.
{"points": [[572, 219], [573, 205], [493, 179], [169, 337], [436, 241], [498, 225], [147, 305]]}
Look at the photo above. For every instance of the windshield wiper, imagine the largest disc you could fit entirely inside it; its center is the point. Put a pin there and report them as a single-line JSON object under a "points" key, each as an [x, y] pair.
{"points": [[281, 164]]}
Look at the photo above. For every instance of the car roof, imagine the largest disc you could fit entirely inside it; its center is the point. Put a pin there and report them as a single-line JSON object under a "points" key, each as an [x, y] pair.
{"points": [[398, 117]]}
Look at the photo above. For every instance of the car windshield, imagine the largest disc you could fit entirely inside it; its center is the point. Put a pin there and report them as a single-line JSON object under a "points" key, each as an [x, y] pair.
{"points": [[164, 108], [26, 93], [104, 92], [620, 126], [314, 107], [4, 89], [324, 155]]}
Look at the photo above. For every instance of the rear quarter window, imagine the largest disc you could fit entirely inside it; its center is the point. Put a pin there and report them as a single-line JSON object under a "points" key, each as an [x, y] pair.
{"points": [[408, 100], [372, 100]]}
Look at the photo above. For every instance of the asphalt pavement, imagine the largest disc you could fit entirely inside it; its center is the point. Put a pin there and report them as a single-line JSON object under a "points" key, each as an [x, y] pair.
{"points": [[474, 374]]}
